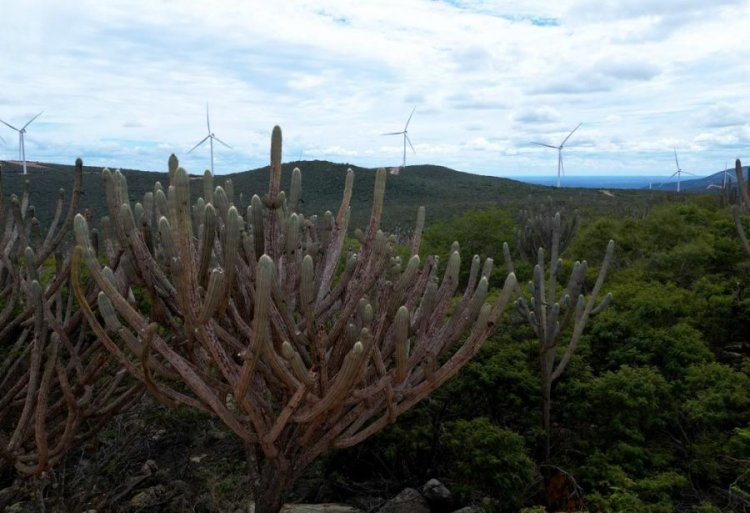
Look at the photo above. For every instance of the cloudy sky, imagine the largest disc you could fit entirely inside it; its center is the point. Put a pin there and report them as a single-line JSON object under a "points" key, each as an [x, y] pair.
{"points": [[124, 84]]}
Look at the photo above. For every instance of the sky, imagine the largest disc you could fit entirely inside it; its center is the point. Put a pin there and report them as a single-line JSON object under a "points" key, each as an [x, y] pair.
{"points": [[124, 84]]}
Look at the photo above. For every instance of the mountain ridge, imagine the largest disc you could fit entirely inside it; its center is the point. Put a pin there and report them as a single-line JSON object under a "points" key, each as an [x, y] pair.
{"points": [[443, 191]]}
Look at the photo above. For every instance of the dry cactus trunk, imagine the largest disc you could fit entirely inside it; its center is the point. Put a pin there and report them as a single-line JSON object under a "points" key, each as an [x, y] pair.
{"points": [[253, 320]]}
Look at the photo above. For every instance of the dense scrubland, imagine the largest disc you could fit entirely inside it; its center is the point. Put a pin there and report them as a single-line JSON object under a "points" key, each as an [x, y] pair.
{"points": [[651, 413]]}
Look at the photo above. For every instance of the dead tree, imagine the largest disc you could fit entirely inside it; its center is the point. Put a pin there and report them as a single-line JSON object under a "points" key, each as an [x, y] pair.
{"points": [[263, 322], [551, 312]]}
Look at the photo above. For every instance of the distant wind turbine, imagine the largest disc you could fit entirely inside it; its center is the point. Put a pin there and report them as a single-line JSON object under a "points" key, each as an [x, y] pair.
{"points": [[210, 138], [405, 133], [560, 167], [679, 171], [723, 180], [21, 131]]}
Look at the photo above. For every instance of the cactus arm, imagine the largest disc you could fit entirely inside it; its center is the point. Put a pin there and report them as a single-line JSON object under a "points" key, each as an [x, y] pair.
{"points": [[204, 393], [52, 231], [340, 387], [284, 416], [402, 344], [740, 229], [336, 238], [256, 216], [581, 322], [145, 368], [418, 228], [554, 266], [263, 291], [40, 341], [295, 190], [444, 373], [206, 243], [741, 184]]}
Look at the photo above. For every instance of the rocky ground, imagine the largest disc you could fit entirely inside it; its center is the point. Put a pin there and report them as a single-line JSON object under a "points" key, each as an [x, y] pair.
{"points": [[178, 461]]}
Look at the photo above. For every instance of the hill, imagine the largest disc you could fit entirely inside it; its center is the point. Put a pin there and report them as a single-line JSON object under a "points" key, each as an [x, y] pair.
{"points": [[710, 183], [444, 192]]}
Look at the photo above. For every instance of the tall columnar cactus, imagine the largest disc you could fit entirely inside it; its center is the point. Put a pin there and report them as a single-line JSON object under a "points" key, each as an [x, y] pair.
{"points": [[743, 206], [556, 314], [536, 228], [57, 383], [253, 320]]}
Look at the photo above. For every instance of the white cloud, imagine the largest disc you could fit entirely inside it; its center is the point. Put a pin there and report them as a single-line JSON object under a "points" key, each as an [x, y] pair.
{"points": [[126, 86]]}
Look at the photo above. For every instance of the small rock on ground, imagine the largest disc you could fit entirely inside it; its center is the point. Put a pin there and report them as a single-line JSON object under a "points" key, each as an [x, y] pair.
{"points": [[408, 501]]}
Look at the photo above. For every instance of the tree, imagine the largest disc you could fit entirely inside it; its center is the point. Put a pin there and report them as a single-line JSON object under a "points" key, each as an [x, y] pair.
{"points": [[247, 320]]}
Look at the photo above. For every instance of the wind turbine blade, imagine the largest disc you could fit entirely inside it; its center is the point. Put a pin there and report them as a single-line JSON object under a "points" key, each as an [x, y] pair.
{"points": [[410, 144], [688, 173], [675, 159], [1, 139], [410, 115], [9, 125], [32, 119], [202, 141], [547, 145], [208, 123], [222, 142], [571, 133], [393, 133]]}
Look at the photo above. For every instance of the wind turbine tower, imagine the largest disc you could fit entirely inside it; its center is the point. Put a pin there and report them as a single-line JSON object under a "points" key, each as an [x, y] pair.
{"points": [[679, 171], [210, 138], [560, 167], [405, 133], [21, 131]]}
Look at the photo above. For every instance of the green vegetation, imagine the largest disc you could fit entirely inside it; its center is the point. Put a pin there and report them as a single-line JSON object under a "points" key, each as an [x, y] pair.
{"points": [[652, 413]]}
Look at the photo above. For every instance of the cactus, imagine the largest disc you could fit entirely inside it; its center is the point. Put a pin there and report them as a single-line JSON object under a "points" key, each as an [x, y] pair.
{"points": [[550, 312], [253, 308], [537, 229], [56, 387], [743, 205]]}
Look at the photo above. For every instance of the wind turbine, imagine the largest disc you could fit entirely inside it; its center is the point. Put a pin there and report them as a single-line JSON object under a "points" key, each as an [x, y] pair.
{"points": [[210, 138], [21, 131], [679, 171], [560, 167], [405, 133], [723, 180]]}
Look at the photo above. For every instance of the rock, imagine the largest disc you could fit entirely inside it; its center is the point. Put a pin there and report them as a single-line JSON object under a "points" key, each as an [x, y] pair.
{"points": [[149, 497], [367, 502], [20, 507], [408, 501], [470, 509], [314, 508], [319, 508], [438, 496], [149, 467]]}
